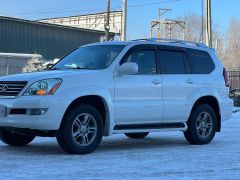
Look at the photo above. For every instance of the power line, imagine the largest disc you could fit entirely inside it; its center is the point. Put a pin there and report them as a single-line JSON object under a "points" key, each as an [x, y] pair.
{"points": [[85, 10], [56, 7], [60, 6], [149, 4], [76, 4]]}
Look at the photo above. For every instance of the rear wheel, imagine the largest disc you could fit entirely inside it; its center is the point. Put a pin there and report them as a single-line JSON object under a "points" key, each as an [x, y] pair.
{"points": [[202, 125], [81, 131], [15, 139], [137, 135]]}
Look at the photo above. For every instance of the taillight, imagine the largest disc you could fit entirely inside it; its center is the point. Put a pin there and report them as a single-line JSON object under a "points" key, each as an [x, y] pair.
{"points": [[226, 78]]}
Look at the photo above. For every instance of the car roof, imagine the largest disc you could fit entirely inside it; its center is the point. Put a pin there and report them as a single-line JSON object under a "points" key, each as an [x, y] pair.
{"points": [[110, 43], [168, 42]]}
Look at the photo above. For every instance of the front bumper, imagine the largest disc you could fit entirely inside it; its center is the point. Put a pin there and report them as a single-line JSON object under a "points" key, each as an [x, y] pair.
{"points": [[51, 120]]}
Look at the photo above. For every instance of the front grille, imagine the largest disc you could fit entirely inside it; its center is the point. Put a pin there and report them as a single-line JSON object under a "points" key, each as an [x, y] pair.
{"points": [[11, 88]]}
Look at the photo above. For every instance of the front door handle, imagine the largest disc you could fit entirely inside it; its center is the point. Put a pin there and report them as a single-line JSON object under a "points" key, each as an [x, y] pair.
{"points": [[189, 81], [156, 81]]}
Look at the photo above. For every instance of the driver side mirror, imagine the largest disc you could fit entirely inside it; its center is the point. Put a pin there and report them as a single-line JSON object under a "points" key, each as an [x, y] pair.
{"points": [[128, 68]]}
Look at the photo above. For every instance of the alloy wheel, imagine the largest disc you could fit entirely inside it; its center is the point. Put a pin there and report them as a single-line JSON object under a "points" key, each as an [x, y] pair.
{"points": [[84, 129], [204, 124]]}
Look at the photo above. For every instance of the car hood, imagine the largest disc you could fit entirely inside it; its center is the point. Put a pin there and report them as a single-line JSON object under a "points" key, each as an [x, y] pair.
{"points": [[34, 76]]}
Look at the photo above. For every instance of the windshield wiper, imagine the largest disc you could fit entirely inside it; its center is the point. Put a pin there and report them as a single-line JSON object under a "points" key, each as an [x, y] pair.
{"points": [[77, 68], [53, 69]]}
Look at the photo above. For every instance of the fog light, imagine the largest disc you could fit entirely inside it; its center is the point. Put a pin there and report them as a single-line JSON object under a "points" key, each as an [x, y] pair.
{"points": [[40, 111]]}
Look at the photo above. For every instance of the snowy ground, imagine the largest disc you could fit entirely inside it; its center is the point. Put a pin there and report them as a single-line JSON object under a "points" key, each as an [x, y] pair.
{"points": [[160, 155]]}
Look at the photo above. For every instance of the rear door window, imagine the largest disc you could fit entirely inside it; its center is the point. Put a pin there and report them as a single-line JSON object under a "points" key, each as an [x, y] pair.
{"points": [[172, 62], [201, 62]]}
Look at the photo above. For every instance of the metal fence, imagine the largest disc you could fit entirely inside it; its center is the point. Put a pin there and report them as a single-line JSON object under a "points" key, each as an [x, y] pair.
{"points": [[234, 77], [13, 63]]}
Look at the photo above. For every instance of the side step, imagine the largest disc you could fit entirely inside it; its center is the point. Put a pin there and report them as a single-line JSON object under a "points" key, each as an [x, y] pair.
{"points": [[149, 126]]}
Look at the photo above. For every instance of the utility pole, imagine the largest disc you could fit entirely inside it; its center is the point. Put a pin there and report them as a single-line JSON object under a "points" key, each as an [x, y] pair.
{"points": [[151, 28], [124, 20], [216, 43], [170, 24], [160, 13], [202, 22], [208, 24], [158, 22], [107, 23]]}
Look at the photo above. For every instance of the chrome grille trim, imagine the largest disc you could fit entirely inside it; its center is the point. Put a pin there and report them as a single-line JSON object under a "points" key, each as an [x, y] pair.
{"points": [[13, 88]]}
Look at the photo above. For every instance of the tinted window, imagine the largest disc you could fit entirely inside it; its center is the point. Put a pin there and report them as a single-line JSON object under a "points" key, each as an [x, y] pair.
{"points": [[201, 62], [172, 62], [145, 59]]}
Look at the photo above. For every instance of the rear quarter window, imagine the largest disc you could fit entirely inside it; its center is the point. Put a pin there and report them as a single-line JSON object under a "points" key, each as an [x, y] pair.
{"points": [[201, 62]]}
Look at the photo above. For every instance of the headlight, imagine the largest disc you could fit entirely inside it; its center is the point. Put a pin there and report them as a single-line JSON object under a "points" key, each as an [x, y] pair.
{"points": [[43, 87]]}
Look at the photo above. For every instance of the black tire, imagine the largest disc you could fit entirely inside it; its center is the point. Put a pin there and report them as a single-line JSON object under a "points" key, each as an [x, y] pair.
{"points": [[137, 135], [195, 132], [65, 136], [15, 139]]}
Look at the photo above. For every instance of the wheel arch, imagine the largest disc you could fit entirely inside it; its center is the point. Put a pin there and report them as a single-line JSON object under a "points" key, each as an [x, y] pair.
{"points": [[97, 102], [213, 102]]}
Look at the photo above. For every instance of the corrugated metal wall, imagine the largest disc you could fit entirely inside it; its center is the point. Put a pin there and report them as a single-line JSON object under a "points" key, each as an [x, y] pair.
{"points": [[20, 36]]}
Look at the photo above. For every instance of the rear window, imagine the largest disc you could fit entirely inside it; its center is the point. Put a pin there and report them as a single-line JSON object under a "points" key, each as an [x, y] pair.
{"points": [[201, 62]]}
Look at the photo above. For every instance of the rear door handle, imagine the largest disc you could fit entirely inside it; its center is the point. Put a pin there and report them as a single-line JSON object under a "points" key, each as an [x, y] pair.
{"points": [[156, 81], [189, 81]]}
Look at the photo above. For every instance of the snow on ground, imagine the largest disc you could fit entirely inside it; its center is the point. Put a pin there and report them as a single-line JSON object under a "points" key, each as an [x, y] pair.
{"points": [[160, 155]]}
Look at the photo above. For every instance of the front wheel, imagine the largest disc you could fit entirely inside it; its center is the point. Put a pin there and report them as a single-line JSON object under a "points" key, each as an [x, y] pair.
{"points": [[81, 130], [15, 139], [202, 125]]}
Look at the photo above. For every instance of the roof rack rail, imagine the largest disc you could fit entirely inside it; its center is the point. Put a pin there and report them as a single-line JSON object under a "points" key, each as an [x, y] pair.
{"points": [[174, 41], [178, 41], [143, 39]]}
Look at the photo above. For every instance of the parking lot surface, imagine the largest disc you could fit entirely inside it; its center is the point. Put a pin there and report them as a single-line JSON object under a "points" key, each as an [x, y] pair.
{"points": [[159, 155]]}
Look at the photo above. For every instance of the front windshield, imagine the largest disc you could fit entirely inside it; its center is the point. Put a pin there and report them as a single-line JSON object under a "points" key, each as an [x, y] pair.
{"points": [[90, 57]]}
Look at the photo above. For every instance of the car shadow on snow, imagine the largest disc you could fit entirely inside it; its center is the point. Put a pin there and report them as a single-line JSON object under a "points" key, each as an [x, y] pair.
{"points": [[120, 144], [49, 147]]}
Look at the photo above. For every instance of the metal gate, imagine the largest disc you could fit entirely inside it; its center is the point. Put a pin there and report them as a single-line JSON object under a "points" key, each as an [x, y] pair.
{"points": [[234, 77]]}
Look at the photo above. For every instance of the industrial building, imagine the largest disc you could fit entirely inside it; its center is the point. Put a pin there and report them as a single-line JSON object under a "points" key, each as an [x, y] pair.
{"points": [[49, 40], [95, 21]]}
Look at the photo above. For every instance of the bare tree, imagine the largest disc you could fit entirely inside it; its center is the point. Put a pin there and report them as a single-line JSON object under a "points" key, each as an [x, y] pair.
{"points": [[34, 64], [193, 27], [232, 52], [227, 45]]}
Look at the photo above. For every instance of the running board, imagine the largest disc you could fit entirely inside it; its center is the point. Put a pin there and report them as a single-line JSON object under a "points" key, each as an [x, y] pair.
{"points": [[149, 126]]}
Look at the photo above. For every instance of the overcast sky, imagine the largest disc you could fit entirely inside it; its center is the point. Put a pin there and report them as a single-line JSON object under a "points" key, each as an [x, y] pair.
{"points": [[140, 12]]}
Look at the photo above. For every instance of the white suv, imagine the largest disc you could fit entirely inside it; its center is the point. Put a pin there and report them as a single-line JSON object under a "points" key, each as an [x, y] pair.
{"points": [[132, 87]]}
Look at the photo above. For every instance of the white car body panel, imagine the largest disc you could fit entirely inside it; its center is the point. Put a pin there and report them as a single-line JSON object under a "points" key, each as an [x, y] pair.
{"points": [[137, 98], [129, 99], [176, 96]]}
